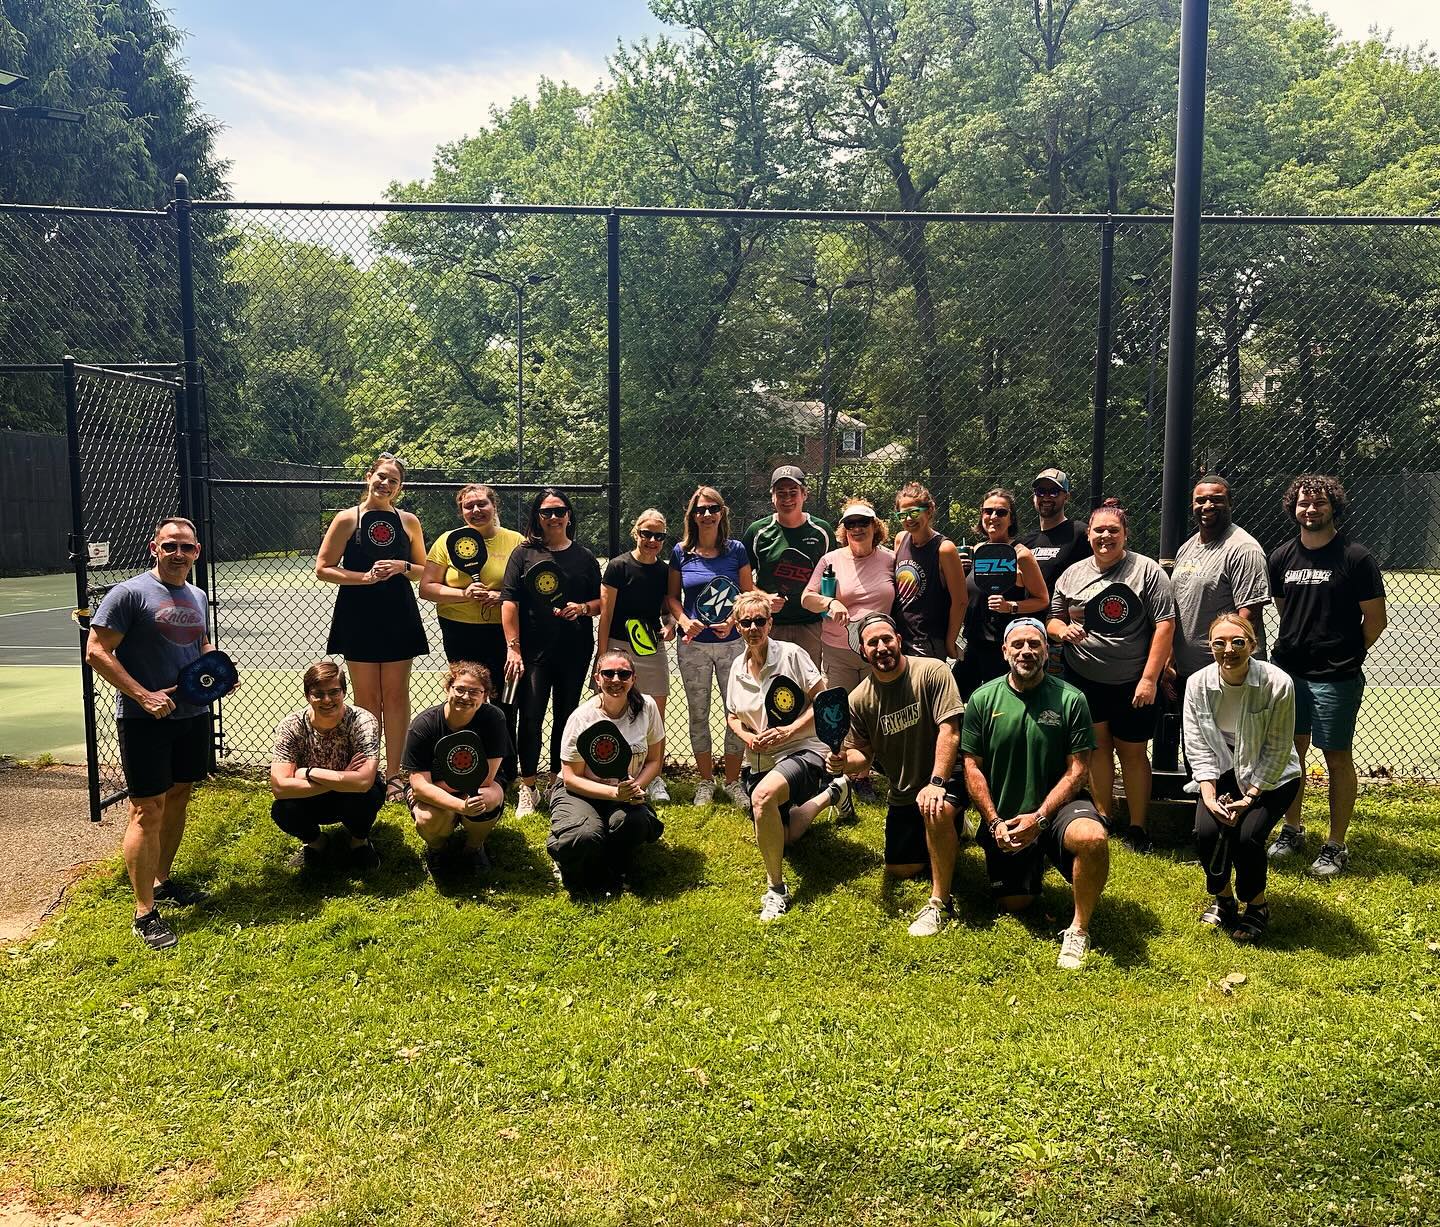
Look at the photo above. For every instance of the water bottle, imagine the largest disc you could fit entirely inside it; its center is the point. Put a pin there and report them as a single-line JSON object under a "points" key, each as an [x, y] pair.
{"points": [[829, 585]]}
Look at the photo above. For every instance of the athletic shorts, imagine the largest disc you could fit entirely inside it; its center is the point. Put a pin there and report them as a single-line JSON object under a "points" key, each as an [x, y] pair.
{"points": [[157, 754], [1020, 873], [1111, 704], [905, 826], [1325, 711], [804, 775]]}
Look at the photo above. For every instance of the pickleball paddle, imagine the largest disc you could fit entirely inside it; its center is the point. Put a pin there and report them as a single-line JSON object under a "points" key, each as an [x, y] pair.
{"points": [[996, 568], [1115, 611], [716, 601], [642, 637], [792, 571], [467, 551], [384, 533], [546, 584], [208, 677], [784, 700], [832, 717], [460, 763], [603, 748]]}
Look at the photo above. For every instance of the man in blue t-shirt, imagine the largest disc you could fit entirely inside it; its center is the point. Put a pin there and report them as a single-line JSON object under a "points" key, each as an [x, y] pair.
{"points": [[146, 630]]}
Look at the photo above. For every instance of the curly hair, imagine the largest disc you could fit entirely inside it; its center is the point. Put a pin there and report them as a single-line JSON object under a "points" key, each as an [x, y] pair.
{"points": [[1316, 483]]}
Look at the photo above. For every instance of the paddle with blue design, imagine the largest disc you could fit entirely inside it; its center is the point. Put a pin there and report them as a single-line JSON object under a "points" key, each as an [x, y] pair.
{"points": [[208, 677]]}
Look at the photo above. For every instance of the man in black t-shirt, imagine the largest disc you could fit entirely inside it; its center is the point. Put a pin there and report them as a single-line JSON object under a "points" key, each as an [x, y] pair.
{"points": [[1060, 542], [1331, 599]]}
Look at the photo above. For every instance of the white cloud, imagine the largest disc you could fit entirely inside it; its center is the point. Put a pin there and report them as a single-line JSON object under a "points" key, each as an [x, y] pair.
{"points": [[1412, 21], [345, 136]]}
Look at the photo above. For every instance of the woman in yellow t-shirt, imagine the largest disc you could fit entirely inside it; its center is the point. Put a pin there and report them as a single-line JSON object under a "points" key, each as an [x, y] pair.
{"points": [[469, 609]]}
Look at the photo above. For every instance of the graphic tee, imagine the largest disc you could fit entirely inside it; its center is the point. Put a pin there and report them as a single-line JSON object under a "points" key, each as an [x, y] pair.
{"points": [[541, 632], [900, 721], [298, 741], [1057, 549], [1024, 740], [498, 549], [163, 629], [430, 726], [1320, 637], [640, 589], [766, 541], [1113, 659], [641, 730], [922, 602], [697, 571], [1210, 579]]}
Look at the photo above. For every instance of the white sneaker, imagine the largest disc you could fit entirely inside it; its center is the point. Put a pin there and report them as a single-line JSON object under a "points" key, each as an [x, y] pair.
{"points": [[705, 792], [527, 801], [933, 917], [1074, 946], [774, 903], [657, 790]]}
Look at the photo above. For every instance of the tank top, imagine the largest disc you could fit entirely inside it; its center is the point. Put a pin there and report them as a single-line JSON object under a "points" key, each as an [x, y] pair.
{"points": [[921, 599]]}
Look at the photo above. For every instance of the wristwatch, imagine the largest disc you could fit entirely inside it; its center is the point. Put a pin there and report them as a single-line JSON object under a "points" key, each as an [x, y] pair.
{"points": [[1042, 822], [936, 782], [1014, 607]]}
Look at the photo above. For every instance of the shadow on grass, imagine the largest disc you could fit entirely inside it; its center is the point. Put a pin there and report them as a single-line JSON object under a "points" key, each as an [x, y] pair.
{"points": [[824, 859], [1303, 922], [1373, 854], [516, 868], [663, 870]]}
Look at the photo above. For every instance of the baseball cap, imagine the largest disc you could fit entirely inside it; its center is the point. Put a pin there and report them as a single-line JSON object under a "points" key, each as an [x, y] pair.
{"points": [[1058, 476], [788, 472]]}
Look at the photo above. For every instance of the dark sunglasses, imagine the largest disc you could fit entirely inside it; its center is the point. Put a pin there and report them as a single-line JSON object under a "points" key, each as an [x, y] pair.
{"points": [[747, 623], [994, 511], [851, 525], [1048, 491], [617, 675], [554, 513], [179, 547], [707, 509], [646, 534]]}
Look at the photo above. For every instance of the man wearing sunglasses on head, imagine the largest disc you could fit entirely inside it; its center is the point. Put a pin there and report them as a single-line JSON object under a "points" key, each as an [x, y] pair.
{"points": [[146, 630]]}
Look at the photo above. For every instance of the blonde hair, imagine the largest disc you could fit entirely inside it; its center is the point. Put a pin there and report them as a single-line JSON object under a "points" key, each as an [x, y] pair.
{"points": [[752, 599], [650, 513], [471, 488], [1240, 624]]}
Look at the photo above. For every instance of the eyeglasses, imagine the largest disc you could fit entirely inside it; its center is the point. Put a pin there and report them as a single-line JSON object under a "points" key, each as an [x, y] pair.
{"points": [[911, 513], [707, 509], [334, 693], [617, 675], [994, 511], [1219, 645], [554, 513], [748, 623], [467, 692], [852, 525], [179, 547], [646, 534]]}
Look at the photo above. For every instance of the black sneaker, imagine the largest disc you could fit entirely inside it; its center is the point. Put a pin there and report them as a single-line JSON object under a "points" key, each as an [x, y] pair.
{"points": [[364, 856], [306, 856], [181, 894], [153, 931], [1137, 839]]}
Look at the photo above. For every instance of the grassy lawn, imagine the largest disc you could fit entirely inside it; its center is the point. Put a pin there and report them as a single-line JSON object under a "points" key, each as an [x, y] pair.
{"points": [[385, 1053]]}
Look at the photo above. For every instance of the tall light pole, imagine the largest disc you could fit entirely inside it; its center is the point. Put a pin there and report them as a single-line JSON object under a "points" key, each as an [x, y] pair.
{"points": [[518, 286]]}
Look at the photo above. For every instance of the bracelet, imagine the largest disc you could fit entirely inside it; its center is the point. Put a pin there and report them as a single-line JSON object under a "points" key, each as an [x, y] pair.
{"points": [[308, 770]]}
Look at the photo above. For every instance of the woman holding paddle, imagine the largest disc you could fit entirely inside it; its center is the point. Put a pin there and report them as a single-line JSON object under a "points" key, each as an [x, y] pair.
{"points": [[373, 553], [988, 611], [1114, 614], [550, 593], [769, 705], [708, 570], [463, 574], [613, 747], [633, 616]]}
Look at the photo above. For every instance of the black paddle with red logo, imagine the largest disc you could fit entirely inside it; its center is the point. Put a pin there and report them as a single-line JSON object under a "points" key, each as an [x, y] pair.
{"points": [[383, 535], [603, 748], [460, 763], [1115, 611]]}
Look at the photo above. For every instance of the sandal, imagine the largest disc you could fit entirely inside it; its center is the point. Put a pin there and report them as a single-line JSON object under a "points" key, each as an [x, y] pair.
{"points": [[395, 788], [1253, 923], [1221, 913]]}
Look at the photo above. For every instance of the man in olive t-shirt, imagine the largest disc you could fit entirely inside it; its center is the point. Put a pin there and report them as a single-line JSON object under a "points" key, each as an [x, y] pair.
{"points": [[905, 718], [1027, 739]]}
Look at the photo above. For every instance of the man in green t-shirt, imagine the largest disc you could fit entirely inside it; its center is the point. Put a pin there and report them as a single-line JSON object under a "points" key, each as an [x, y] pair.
{"points": [[784, 549], [905, 718], [1027, 739]]}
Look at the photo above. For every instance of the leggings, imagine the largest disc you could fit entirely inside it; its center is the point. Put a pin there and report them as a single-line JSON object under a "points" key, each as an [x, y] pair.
{"points": [[698, 663], [1243, 845], [560, 676], [302, 816]]}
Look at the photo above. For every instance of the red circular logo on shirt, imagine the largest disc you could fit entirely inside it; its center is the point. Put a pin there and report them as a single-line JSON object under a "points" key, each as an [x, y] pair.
{"points": [[180, 623], [1114, 609], [381, 533]]}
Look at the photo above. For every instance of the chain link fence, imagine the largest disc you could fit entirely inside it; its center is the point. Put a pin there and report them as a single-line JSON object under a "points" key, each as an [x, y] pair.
{"points": [[474, 343]]}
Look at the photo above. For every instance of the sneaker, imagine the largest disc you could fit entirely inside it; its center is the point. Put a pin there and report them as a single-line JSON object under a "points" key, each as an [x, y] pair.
{"points": [[1074, 947], [153, 931], [932, 918], [1332, 860], [364, 856], [306, 856], [705, 792], [472, 860], [527, 801], [843, 801], [727, 792], [774, 903], [1290, 841], [439, 862], [181, 894], [657, 791], [1137, 839]]}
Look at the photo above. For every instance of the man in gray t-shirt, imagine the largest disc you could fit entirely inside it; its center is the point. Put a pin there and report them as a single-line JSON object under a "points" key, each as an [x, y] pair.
{"points": [[1219, 570]]}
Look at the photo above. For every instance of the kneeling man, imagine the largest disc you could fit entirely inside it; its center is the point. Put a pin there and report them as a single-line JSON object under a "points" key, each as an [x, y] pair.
{"points": [[1027, 739]]}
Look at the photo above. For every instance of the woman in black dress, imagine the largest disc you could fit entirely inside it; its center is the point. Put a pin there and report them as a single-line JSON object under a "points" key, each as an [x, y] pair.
{"points": [[549, 632], [376, 625]]}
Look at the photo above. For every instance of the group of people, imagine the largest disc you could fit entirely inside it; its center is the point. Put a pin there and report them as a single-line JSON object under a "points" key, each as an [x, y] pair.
{"points": [[1012, 704]]}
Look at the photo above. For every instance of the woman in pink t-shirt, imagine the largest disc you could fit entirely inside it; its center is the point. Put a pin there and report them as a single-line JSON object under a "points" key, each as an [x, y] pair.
{"points": [[864, 584]]}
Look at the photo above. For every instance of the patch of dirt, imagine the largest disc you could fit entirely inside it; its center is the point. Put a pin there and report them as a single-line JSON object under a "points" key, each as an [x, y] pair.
{"points": [[265, 1206], [47, 843]]}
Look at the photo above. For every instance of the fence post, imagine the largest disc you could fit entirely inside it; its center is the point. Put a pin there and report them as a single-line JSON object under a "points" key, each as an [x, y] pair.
{"points": [[195, 495], [80, 559], [1104, 349], [612, 321]]}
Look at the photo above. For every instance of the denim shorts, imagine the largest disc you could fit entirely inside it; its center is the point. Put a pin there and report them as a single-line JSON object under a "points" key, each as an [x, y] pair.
{"points": [[1325, 711]]}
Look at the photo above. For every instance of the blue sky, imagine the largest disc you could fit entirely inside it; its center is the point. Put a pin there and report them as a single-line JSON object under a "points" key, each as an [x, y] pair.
{"points": [[328, 101]]}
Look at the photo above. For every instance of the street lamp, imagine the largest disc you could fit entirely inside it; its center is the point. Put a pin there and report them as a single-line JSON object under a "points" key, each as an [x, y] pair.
{"points": [[55, 115], [827, 414], [518, 286]]}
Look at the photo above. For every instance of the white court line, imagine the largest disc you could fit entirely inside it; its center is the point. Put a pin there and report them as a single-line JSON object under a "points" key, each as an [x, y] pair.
{"points": [[21, 613], [37, 647]]}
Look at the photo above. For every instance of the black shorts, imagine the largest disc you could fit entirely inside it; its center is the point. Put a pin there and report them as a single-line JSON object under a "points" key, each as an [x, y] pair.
{"points": [[1020, 873], [804, 775], [1111, 704], [156, 754], [905, 826]]}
